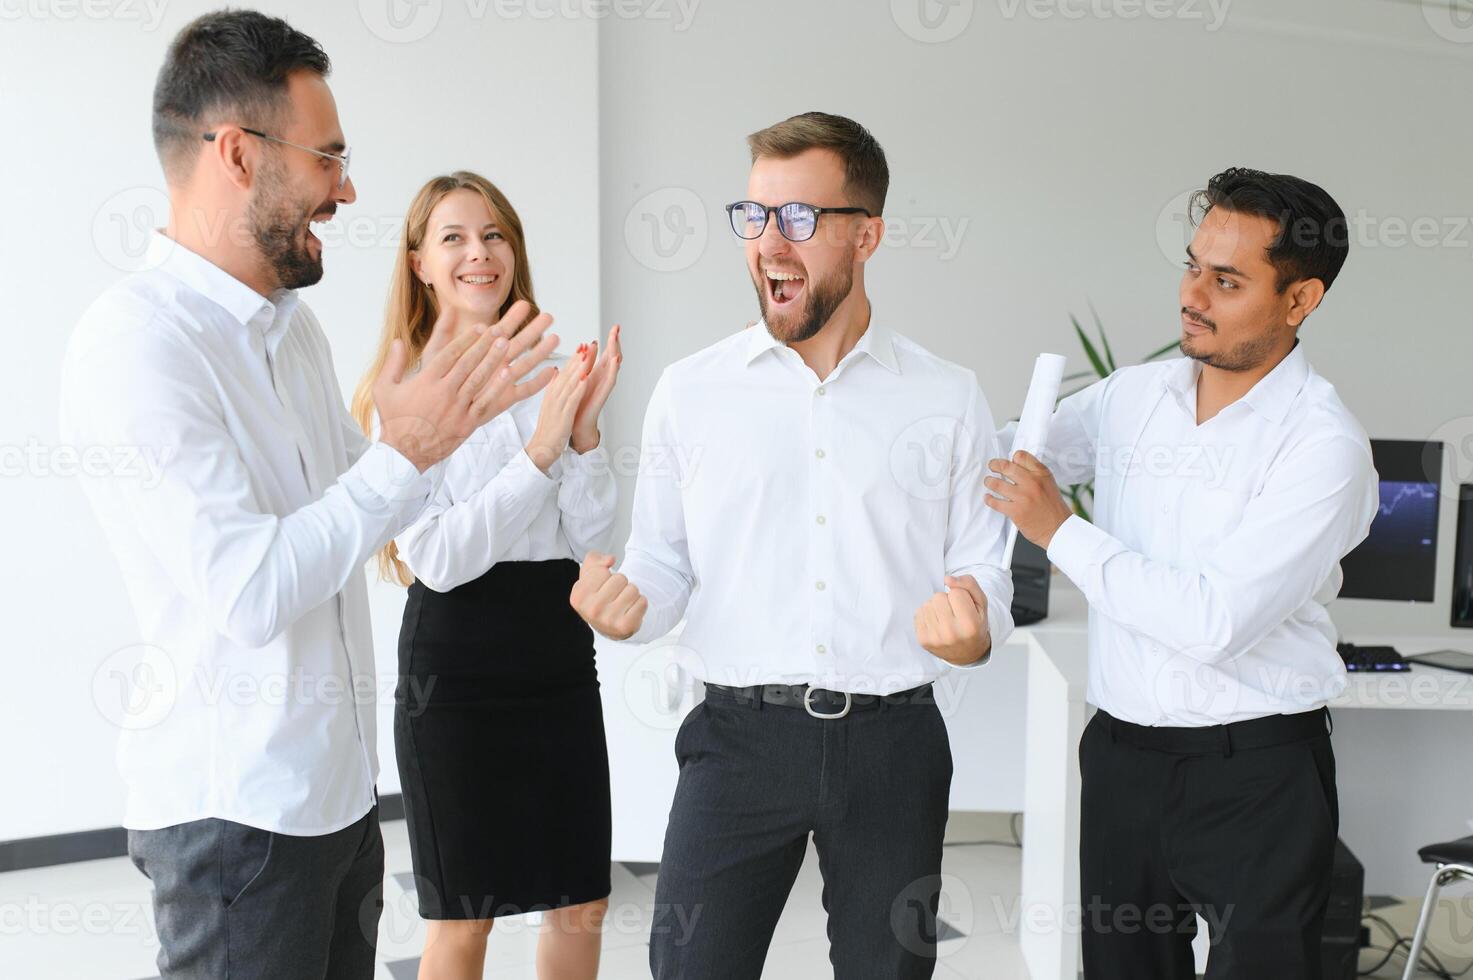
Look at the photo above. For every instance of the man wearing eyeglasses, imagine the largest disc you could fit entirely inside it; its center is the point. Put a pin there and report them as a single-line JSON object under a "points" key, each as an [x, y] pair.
{"points": [[831, 552], [250, 789]]}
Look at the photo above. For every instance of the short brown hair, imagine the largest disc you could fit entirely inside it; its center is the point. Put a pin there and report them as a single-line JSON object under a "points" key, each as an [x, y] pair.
{"points": [[866, 175]]}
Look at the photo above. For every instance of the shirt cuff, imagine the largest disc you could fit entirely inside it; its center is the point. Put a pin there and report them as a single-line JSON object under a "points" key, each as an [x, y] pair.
{"points": [[1080, 548], [522, 473], [595, 462], [389, 473]]}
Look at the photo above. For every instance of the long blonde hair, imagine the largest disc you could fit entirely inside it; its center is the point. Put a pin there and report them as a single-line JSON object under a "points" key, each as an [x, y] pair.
{"points": [[413, 307]]}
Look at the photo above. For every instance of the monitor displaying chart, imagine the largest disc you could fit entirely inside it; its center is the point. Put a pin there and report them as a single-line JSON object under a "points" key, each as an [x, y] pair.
{"points": [[1398, 559]]}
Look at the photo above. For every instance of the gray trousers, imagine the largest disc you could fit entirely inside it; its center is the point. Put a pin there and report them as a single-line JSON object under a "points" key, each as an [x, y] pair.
{"points": [[755, 781], [236, 903]]}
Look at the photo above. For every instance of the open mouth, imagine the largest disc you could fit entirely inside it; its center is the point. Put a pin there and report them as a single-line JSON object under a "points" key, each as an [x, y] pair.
{"points": [[784, 288], [478, 281], [317, 219]]}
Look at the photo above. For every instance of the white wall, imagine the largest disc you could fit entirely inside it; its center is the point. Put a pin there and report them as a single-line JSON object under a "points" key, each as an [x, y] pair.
{"points": [[514, 98]]}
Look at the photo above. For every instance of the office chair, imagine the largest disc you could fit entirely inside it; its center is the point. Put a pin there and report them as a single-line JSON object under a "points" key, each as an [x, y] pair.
{"points": [[1454, 861]]}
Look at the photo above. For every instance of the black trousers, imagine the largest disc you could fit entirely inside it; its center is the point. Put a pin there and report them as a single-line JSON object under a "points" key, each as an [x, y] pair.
{"points": [[1236, 823], [237, 903], [755, 781]]}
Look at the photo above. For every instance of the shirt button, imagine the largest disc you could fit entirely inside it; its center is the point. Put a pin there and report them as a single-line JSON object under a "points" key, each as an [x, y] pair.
{"points": [[819, 585], [820, 391], [822, 649], [822, 519], [818, 453]]}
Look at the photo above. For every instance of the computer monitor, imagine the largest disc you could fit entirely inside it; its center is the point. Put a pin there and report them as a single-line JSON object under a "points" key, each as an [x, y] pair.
{"points": [[1398, 560], [1463, 560]]}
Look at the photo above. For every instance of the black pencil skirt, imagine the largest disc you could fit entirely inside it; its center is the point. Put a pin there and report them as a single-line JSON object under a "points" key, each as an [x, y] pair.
{"points": [[498, 730]]}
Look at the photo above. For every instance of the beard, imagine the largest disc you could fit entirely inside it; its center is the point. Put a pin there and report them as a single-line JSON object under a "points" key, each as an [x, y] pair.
{"points": [[277, 226], [1246, 355], [820, 300]]}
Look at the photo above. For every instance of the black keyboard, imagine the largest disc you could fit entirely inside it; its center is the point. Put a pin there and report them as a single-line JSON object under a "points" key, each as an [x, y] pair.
{"points": [[1371, 658]]}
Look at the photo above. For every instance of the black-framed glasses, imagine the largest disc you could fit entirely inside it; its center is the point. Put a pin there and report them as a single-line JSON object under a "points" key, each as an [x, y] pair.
{"points": [[341, 158], [796, 221]]}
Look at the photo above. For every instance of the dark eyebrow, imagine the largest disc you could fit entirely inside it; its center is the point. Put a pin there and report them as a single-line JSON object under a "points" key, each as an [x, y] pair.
{"points": [[1227, 270], [336, 146]]}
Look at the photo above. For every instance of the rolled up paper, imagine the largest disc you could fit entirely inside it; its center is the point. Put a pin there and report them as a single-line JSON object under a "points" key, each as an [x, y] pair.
{"points": [[1031, 436]]}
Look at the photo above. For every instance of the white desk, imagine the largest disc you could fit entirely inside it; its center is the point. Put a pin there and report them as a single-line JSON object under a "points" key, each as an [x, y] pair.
{"points": [[1402, 775]]}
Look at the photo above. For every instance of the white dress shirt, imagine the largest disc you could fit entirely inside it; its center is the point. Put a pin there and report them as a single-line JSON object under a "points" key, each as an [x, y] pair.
{"points": [[800, 522], [493, 504], [245, 562], [1214, 547]]}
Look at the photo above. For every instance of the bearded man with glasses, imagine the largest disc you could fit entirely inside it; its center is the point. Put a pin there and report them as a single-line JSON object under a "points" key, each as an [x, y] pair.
{"points": [[833, 557]]}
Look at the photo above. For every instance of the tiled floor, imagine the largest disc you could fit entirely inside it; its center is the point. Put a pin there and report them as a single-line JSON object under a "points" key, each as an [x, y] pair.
{"points": [[93, 920]]}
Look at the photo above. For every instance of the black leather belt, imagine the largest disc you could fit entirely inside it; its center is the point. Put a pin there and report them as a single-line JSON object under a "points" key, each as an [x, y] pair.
{"points": [[1257, 733], [816, 701]]}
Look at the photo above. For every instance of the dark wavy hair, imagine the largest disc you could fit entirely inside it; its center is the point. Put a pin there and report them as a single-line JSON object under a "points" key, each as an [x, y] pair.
{"points": [[227, 66], [1313, 237]]}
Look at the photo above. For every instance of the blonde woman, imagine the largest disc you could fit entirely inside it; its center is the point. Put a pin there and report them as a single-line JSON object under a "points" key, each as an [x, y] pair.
{"points": [[498, 726]]}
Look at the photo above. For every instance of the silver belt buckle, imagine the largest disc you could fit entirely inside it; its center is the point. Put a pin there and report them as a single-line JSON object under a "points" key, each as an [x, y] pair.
{"points": [[808, 705]]}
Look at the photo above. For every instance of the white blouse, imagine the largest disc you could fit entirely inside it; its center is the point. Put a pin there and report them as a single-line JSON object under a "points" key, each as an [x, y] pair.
{"points": [[493, 504]]}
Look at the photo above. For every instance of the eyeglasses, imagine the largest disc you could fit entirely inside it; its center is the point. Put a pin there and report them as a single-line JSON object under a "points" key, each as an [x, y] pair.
{"points": [[795, 221], [341, 158]]}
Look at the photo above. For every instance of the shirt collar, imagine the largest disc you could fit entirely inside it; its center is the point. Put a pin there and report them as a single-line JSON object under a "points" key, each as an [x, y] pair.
{"points": [[1270, 397], [878, 342], [1276, 391], [270, 316]]}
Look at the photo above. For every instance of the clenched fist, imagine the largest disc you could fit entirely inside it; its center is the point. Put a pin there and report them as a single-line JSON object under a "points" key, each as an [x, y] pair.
{"points": [[607, 601], [952, 625]]}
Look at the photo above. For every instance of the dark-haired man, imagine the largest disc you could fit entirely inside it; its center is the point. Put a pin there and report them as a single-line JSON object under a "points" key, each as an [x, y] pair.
{"points": [[1228, 486], [832, 555], [251, 801]]}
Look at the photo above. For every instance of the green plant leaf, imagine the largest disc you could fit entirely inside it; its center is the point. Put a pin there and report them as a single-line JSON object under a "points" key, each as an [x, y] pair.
{"points": [[1165, 350], [1089, 349], [1104, 341]]}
